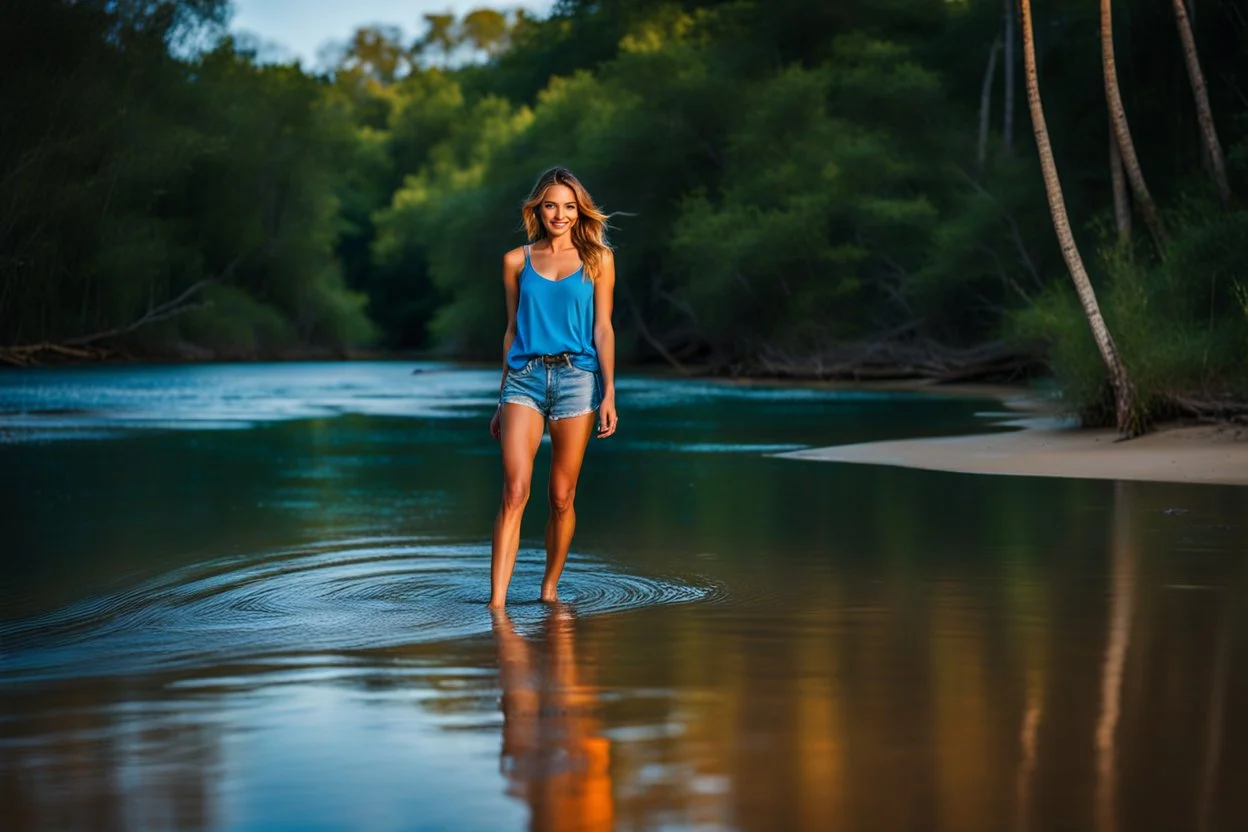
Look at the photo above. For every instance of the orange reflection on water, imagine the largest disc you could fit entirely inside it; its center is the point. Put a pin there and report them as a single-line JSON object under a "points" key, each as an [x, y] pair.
{"points": [[554, 755]]}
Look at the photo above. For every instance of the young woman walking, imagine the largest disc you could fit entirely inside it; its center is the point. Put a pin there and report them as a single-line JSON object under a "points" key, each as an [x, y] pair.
{"points": [[558, 367]]}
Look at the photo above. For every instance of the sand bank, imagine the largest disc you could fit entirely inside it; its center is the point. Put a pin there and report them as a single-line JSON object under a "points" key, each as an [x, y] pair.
{"points": [[1042, 447]]}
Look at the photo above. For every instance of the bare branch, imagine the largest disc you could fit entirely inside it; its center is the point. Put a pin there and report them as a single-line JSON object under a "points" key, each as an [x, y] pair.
{"points": [[164, 311], [645, 332]]}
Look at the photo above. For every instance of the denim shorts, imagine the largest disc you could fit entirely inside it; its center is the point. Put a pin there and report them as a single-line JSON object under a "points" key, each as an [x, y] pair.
{"points": [[557, 391]]}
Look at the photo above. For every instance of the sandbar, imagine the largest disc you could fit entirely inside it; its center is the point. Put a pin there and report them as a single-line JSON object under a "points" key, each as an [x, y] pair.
{"points": [[1045, 447]]}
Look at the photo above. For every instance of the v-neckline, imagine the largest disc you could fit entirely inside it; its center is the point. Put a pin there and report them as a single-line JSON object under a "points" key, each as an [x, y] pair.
{"points": [[533, 269], [555, 279]]}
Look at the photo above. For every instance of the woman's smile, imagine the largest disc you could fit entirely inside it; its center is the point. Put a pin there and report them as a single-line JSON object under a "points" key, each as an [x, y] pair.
{"points": [[559, 209]]}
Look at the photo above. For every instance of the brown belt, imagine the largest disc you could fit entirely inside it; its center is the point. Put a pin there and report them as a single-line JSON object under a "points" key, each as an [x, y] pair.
{"points": [[557, 358]]}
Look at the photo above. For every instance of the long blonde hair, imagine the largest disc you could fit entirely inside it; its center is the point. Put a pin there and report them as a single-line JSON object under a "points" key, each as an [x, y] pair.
{"points": [[589, 234]]}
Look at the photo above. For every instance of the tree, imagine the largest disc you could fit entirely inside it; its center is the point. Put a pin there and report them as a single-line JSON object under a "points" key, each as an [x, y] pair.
{"points": [[375, 53], [1203, 113], [157, 200], [1122, 200], [1122, 132], [985, 105], [1128, 422], [486, 30], [441, 33]]}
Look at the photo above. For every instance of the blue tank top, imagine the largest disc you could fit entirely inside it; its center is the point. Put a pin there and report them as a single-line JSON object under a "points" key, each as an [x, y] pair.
{"points": [[554, 316]]}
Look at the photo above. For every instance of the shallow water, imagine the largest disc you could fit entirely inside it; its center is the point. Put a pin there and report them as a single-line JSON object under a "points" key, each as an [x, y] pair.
{"points": [[251, 597]]}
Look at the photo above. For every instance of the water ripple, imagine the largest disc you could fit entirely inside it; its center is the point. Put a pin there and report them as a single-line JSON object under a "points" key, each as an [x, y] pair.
{"points": [[360, 594]]}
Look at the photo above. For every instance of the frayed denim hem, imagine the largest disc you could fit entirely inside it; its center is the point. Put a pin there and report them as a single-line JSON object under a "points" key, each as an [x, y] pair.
{"points": [[573, 415], [525, 401]]}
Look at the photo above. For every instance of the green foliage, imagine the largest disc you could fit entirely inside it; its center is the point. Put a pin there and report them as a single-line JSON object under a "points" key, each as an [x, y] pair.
{"points": [[137, 176], [785, 177], [440, 236], [374, 55], [831, 224], [732, 252], [1181, 326]]}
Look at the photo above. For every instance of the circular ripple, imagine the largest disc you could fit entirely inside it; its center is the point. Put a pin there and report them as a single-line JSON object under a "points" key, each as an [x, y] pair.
{"points": [[359, 594]]}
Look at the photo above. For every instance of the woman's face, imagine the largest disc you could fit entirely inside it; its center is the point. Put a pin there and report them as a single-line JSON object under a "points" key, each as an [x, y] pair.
{"points": [[558, 210]]}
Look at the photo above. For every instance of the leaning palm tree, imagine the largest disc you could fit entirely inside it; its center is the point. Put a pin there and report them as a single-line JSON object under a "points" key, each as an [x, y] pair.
{"points": [[1203, 113], [1122, 200], [1128, 422], [1122, 132]]}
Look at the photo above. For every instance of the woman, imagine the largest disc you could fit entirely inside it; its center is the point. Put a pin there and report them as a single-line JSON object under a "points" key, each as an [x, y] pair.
{"points": [[558, 365]]}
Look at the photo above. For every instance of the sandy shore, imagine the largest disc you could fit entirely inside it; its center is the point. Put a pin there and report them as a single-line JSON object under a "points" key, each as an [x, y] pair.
{"points": [[1042, 447]]}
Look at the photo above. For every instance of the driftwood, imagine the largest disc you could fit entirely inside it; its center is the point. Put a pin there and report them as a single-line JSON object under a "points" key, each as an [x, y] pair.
{"points": [[893, 361], [1213, 410], [81, 348], [28, 355]]}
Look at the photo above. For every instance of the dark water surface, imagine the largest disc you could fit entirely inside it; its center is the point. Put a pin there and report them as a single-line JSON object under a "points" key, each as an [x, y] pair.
{"points": [[252, 597]]}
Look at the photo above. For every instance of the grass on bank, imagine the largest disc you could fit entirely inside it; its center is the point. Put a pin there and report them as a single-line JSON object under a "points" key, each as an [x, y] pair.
{"points": [[1181, 325]]}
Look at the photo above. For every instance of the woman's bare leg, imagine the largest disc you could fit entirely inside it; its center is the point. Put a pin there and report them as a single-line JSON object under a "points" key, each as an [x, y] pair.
{"points": [[568, 439], [520, 433]]}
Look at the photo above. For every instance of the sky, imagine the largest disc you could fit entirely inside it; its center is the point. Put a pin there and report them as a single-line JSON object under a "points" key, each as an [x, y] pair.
{"points": [[301, 27]]}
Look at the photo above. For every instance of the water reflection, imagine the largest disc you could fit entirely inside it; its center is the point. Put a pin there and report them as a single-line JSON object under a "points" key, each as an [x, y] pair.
{"points": [[283, 628], [1121, 592], [1087, 682], [79, 766], [554, 755]]}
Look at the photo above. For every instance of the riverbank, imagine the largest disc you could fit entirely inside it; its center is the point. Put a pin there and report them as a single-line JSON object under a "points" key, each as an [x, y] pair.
{"points": [[1045, 446], [59, 355]]}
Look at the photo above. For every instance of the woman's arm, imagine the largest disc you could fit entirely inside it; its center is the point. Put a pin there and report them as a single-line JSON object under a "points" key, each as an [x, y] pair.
{"points": [[513, 262], [604, 342]]}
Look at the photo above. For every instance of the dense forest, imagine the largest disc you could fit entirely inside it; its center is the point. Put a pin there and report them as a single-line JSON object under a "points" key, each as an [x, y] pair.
{"points": [[830, 190]]}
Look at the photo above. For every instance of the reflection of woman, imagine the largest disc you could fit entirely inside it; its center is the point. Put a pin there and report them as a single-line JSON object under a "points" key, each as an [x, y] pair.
{"points": [[553, 755], [559, 365]]}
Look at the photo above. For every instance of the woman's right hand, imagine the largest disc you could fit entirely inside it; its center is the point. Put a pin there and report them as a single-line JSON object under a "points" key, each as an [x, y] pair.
{"points": [[494, 422]]}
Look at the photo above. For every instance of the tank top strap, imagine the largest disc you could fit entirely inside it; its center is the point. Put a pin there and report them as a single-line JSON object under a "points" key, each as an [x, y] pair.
{"points": [[526, 256]]}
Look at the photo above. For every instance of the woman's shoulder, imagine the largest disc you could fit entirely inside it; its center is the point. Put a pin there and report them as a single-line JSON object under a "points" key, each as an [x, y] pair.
{"points": [[514, 259]]}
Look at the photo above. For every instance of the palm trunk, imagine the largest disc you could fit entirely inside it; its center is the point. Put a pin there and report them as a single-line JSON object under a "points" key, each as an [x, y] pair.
{"points": [[1007, 127], [1124, 394], [1122, 132], [1122, 200], [1203, 113], [985, 105]]}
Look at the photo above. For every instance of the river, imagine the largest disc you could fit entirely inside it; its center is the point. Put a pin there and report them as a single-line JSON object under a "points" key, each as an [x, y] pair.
{"points": [[252, 597]]}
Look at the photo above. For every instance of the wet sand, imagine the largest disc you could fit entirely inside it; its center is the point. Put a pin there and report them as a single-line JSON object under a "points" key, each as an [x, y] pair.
{"points": [[1044, 446]]}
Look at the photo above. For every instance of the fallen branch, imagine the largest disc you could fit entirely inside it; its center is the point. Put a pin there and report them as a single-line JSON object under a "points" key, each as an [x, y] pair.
{"points": [[25, 355], [161, 312], [644, 331], [1220, 410]]}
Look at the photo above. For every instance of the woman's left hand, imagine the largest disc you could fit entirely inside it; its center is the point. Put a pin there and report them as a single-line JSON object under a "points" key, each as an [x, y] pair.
{"points": [[607, 418]]}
